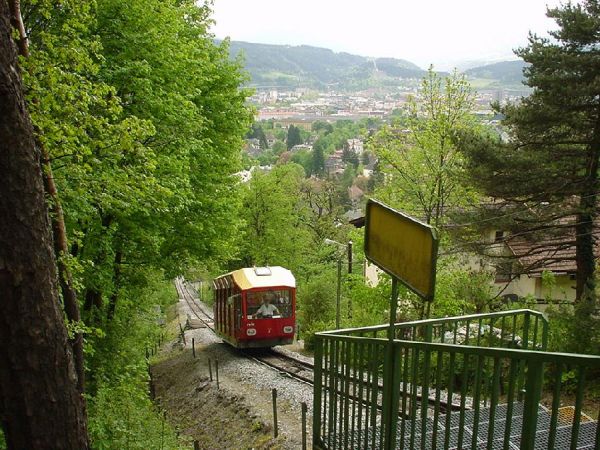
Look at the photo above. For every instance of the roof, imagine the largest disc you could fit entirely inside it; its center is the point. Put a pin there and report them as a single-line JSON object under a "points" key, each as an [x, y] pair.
{"points": [[548, 255], [554, 253], [247, 277]]}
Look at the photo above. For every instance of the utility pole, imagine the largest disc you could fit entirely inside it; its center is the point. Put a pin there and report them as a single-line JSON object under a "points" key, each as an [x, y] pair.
{"points": [[339, 293], [349, 256]]}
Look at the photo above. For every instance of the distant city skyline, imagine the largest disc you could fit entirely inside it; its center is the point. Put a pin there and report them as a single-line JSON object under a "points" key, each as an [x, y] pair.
{"points": [[443, 33]]}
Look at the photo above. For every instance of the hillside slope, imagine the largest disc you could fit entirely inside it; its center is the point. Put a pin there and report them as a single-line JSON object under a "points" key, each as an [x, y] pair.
{"points": [[505, 73], [306, 66], [287, 66]]}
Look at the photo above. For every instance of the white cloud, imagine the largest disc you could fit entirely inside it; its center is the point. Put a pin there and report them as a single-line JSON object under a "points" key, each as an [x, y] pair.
{"points": [[428, 31]]}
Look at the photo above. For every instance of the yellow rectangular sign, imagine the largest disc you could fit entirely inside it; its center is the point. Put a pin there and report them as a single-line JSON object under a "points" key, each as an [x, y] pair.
{"points": [[402, 246]]}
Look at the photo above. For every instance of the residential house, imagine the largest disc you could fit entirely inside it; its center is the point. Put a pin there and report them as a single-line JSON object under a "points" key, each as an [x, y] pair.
{"points": [[334, 165], [356, 146], [520, 264]]}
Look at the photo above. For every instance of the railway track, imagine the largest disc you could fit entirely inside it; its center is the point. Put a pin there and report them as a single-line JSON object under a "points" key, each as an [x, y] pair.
{"points": [[205, 318], [284, 364]]}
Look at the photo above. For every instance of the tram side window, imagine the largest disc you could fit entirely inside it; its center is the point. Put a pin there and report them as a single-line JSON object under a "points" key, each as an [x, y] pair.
{"points": [[280, 301], [235, 301]]}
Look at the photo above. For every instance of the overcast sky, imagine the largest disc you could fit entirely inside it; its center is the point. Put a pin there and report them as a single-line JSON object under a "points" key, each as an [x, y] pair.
{"points": [[439, 32]]}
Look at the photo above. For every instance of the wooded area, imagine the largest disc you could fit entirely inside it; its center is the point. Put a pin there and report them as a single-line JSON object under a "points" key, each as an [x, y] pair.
{"points": [[121, 133]]}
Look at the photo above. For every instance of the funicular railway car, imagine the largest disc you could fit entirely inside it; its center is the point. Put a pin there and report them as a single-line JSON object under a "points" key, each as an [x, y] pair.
{"points": [[255, 307]]}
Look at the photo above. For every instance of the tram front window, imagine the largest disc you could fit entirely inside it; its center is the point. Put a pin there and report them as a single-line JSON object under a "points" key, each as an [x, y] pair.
{"points": [[273, 303]]}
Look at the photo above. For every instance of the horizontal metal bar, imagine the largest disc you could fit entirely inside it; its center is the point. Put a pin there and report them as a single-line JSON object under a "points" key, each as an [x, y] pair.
{"points": [[471, 318], [492, 352]]}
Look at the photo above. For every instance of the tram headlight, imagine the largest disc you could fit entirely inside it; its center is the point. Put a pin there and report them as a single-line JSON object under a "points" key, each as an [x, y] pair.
{"points": [[251, 332], [288, 329]]}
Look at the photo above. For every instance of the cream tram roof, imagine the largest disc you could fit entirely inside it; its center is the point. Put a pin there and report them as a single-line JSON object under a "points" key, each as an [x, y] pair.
{"points": [[260, 277]]}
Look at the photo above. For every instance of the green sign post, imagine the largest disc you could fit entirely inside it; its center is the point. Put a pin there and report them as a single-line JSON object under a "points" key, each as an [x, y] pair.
{"points": [[406, 249]]}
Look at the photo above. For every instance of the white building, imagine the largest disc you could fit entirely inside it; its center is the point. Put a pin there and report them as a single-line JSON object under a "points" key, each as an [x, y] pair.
{"points": [[356, 145]]}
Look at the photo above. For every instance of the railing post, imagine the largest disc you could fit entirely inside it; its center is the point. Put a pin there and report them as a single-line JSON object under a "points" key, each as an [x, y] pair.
{"points": [[533, 393], [428, 337], [275, 425], [544, 334], [524, 346], [526, 325], [318, 388], [389, 418], [338, 294], [304, 426]]}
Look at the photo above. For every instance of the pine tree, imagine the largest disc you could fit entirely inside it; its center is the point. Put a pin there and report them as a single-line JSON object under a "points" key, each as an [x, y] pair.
{"points": [[293, 137], [318, 159], [545, 176]]}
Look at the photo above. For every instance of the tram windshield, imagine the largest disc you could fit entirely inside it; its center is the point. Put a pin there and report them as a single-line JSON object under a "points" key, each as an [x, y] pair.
{"points": [[272, 303]]}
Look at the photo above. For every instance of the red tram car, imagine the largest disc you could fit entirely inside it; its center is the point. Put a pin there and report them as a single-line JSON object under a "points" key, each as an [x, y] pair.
{"points": [[255, 307]]}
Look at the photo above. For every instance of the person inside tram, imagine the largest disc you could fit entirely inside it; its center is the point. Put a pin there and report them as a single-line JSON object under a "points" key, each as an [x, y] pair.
{"points": [[267, 309]]}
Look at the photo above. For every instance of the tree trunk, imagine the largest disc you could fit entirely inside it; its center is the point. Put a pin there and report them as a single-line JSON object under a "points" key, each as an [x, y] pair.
{"points": [[93, 299], [585, 293], [40, 405], [61, 247], [112, 303], [61, 250]]}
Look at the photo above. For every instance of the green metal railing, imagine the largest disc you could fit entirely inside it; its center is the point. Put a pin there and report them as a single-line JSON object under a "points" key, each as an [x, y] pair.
{"points": [[455, 383], [522, 328]]}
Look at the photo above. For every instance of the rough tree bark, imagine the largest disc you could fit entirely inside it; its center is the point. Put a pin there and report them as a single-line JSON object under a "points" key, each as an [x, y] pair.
{"points": [[40, 406], [59, 229]]}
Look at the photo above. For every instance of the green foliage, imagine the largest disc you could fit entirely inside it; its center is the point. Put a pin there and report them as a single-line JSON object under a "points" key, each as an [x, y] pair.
{"points": [[316, 306], [257, 133], [279, 147], [303, 66], [320, 126], [303, 158], [545, 176], [349, 156], [422, 166], [186, 86], [122, 416], [272, 215], [368, 305], [342, 131], [317, 163], [460, 290], [293, 137], [120, 413], [143, 117], [565, 330], [569, 381]]}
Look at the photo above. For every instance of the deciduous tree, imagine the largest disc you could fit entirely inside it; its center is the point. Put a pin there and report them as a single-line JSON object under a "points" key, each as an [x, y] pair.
{"points": [[421, 165], [272, 209]]}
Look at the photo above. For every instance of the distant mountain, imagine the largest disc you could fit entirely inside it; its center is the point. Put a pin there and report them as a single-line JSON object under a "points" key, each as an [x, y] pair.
{"points": [[306, 66], [506, 73], [314, 67]]}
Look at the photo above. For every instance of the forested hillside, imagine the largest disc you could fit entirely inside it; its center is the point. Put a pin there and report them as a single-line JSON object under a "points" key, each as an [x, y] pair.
{"points": [[505, 73], [130, 155], [305, 66]]}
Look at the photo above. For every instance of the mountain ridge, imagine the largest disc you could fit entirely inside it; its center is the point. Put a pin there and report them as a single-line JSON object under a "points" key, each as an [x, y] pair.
{"points": [[297, 66]]}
